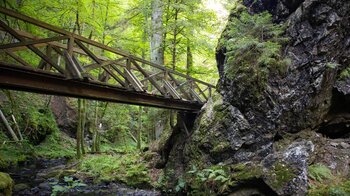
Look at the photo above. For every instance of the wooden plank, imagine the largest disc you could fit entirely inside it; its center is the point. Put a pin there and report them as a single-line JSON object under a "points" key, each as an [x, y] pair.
{"points": [[88, 52], [200, 90], [151, 76], [104, 63], [72, 70], [17, 58], [31, 42], [91, 42], [29, 79], [115, 76], [179, 86], [31, 47], [153, 82], [171, 90], [133, 80]]}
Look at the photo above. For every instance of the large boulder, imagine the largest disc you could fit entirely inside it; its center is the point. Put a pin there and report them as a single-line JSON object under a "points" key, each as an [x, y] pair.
{"points": [[300, 118]]}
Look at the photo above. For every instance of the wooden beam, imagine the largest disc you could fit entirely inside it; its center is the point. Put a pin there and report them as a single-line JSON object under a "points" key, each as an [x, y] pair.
{"points": [[31, 42], [153, 82], [104, 63], [31, 47], [17, 58], [28, 79], [25, 18]]}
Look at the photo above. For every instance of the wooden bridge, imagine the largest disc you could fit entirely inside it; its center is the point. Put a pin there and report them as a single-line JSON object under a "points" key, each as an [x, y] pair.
{"points": [[71, 65]]}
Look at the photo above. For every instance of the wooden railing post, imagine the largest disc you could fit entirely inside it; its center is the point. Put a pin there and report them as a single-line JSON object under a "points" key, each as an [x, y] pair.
{"points": [[70, 46], [128, 67]]}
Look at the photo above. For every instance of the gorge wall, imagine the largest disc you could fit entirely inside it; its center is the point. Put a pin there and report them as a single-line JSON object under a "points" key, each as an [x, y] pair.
{"points": [[300, 120]]}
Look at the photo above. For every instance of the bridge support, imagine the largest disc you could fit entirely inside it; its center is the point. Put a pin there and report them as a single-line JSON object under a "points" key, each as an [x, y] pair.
{"points": [[183, 129]]}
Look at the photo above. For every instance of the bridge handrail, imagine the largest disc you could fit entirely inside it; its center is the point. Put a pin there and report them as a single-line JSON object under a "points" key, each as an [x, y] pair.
{"points": [[47, 26]]}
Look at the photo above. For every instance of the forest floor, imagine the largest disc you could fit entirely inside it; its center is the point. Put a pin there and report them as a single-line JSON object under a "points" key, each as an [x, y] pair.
{"points": [[51, 168]]}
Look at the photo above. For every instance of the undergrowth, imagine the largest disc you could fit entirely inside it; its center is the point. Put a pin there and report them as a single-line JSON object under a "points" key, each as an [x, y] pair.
{"points": [[127, 168], [323, 183]]}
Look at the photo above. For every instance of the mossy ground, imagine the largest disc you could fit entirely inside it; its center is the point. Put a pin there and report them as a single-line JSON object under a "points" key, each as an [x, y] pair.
{"points": [[129, 168], [56, 145]]}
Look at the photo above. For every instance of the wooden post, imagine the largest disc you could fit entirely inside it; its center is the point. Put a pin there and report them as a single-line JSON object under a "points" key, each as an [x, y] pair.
{"points": [[4, 120], [70, 47]]}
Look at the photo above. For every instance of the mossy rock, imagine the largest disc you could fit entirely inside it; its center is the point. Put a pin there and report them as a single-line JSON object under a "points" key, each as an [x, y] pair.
{"points": [[6, 184], [280, 175], [244, 172]]}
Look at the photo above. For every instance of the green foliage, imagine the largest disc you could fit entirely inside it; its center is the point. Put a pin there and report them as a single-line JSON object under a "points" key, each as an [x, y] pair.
{"points": [[332, 65], [340, 187], [323, 183], [129, 169], [215, 179], [12, 152], [345, 74], [41, 123], [56, 145], [281, 174], [69, 183], [253, 44], [319, 172]]}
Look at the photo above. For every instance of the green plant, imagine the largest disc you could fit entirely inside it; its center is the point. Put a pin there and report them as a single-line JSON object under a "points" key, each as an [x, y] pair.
{"points": [[70, 183], [253, 44], [127, 168], [212, 180], [319, 172]]}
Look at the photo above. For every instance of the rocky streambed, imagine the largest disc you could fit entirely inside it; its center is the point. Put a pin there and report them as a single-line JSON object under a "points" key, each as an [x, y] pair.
{"points": [[58, 177]]}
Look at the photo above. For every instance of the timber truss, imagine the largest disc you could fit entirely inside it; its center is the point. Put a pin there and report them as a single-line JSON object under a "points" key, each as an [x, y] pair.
{"points": [[72, 65]]}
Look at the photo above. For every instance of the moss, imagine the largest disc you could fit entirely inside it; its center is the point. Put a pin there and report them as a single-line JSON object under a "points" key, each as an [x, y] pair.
{"points": [[242, 172], [280, 175], [56, 145], [6, 184], [220, 147]]}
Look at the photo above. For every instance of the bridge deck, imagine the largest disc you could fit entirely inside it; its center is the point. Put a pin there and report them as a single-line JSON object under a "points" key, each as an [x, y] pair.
{"points": [[71, 65]]}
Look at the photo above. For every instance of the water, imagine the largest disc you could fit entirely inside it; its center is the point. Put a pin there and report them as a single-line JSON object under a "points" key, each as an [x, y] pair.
{"points": [[33, 178]]}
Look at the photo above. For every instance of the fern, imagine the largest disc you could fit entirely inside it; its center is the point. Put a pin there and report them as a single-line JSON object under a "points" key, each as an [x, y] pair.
{"points": [[320, 172], [253, 44]]}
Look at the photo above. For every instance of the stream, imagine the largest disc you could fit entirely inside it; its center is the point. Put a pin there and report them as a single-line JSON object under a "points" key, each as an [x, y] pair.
{"points": [[33, 177]]}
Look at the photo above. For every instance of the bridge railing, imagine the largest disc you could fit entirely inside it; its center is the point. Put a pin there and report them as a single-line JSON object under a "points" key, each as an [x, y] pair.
{"points": [[78, 58]]}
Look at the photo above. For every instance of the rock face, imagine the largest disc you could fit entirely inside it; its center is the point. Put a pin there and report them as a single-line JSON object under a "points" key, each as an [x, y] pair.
{"points": [[299, 115]]}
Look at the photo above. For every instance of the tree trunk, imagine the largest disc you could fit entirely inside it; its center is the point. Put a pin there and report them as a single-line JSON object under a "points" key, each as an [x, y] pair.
{"points": [[139, 130], [8, 127], [189, 60], [83, 120], [157, 52], [95, 131], [17, 127], [175, 38], [79, 130]]}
